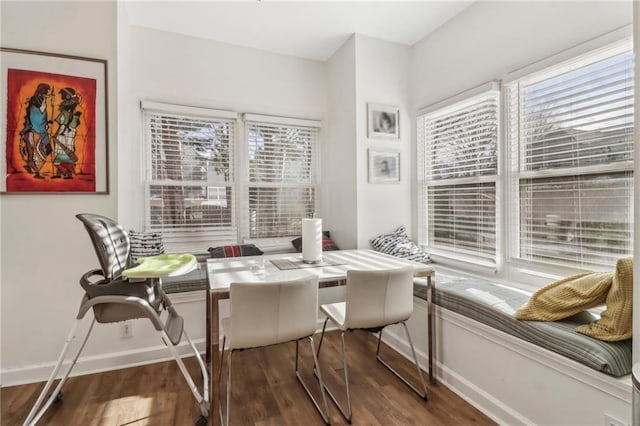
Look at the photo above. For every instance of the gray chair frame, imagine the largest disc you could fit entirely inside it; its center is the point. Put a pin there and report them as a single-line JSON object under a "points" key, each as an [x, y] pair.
{"points": [[113, 299]]}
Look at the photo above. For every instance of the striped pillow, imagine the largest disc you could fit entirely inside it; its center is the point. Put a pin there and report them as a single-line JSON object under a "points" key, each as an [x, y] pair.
{"points": [[235, 251], [144, 244], [397, 243]]}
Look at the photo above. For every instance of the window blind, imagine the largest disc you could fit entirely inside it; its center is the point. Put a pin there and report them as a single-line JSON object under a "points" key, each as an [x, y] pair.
{"points": [[190, 178], [463, 218], [571, 141], [458, 165], [282, 161]]}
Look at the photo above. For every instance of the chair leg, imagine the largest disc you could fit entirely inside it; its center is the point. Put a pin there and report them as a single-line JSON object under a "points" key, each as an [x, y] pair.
{"points": [[345, 413], [423, 393], [34, 414], [204, 402], [194, 389], [325, 413], [224, 338], [229, 389], [324, 327]]}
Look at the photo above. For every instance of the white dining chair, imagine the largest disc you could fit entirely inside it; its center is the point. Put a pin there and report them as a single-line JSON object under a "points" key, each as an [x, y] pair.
{"points": [[269, 313], [374, 300]]}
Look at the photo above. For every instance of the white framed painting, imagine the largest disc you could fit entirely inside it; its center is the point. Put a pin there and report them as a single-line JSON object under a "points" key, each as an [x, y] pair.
{"points": [[384, 166], [383, 121]]}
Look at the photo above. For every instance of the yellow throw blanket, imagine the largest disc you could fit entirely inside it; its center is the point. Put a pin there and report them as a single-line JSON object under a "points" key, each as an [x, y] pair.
{"points": [[569, 296], [616, 322]]}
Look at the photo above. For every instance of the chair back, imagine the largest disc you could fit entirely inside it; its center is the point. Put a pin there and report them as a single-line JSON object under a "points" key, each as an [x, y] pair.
{"points": [[268, 313], [110, 241], [378, 298]]}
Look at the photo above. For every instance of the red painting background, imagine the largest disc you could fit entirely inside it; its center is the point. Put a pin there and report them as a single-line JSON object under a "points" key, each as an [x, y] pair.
{"points": [[21, 84]]}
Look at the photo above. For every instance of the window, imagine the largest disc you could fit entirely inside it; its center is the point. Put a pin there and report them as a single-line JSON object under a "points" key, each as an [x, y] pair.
{"points": [[190, 175], [458, 167], [283, 180], [205, 189], [570, 134]]}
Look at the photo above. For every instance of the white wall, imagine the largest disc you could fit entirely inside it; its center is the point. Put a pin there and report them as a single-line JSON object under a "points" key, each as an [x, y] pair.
{"points": [[172, 68], [183, 70], [490, 39], [485, 42], [365, 70], [49, 249], [44, 247], [381, 78], [339, 171]]}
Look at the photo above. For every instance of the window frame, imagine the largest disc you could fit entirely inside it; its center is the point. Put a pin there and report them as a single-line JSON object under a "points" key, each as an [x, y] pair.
{"points": [[525, 270], [527, 274], [463, 100], [282, 242], [239, 182]]}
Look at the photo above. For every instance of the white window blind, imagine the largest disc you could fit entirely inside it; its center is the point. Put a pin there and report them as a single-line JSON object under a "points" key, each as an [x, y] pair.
{"points": [[458, 165], [570, 132], [190, 176], [283, 175]]}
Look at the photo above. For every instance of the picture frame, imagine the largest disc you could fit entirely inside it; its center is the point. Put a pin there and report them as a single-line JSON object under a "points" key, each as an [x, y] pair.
{"points": [[53, 123], [384, 166], [383, 121]]}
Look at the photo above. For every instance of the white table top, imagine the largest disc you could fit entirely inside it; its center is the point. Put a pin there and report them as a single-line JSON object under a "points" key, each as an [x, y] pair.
{"points": [[222, 272]]}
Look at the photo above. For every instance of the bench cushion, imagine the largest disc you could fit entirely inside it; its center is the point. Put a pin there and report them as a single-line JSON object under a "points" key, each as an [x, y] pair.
{"points": [[193, 281], [494, 304]]}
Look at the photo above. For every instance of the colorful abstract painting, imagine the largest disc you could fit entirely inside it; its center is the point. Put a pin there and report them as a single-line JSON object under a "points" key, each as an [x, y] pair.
{"points": [[50, 138]]}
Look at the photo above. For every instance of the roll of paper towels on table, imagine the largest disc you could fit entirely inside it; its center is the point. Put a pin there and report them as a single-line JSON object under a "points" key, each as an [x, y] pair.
{"points": [[311, 240]]}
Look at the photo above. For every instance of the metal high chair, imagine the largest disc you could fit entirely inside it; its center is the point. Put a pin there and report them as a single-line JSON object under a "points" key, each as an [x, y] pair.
{"points": [[116, 294]]}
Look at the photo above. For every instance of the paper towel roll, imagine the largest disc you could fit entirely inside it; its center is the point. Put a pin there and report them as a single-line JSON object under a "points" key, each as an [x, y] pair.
{"points": [[311, 240]]}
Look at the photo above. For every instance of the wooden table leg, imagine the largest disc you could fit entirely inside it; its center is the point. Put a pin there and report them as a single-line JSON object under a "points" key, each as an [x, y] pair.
{"points": [[214, 366], [431, 294]]}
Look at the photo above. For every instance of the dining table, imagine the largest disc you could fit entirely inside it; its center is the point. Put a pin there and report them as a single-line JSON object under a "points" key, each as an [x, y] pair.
{"points": [[331, 271]]}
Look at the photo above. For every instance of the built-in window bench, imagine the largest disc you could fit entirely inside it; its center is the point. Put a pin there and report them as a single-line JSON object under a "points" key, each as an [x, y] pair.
{"points": [[517, 372], [195, 280], [522, 372]]}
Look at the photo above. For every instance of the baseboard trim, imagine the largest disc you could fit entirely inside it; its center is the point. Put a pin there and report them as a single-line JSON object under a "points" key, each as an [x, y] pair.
{"points": [[108, 362], [488, 405], [98, 363], [497, 410]]}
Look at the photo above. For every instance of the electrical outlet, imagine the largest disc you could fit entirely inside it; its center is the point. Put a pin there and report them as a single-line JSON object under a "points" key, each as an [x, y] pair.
{"points": [[126, 330]]}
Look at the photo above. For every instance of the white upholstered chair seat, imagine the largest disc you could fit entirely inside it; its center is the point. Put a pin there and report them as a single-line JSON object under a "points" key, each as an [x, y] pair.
{"points": [[336, 311]]}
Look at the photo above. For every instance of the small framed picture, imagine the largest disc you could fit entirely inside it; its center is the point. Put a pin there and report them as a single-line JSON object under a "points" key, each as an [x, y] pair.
{"points": [[383, 121], [384, 166]]}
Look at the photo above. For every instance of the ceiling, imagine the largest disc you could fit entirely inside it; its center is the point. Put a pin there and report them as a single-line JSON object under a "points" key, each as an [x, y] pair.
{"points": [[306, 29]]}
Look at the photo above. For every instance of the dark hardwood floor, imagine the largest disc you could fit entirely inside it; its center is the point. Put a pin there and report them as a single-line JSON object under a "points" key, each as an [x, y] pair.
{"points": [[264, 392]]}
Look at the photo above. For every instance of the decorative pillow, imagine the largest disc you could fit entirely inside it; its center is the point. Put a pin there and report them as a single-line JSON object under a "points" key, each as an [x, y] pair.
{"points": [[397, 243], [144, 244], [567, 297], [327, 243], [235, 251], [616, 321]]}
